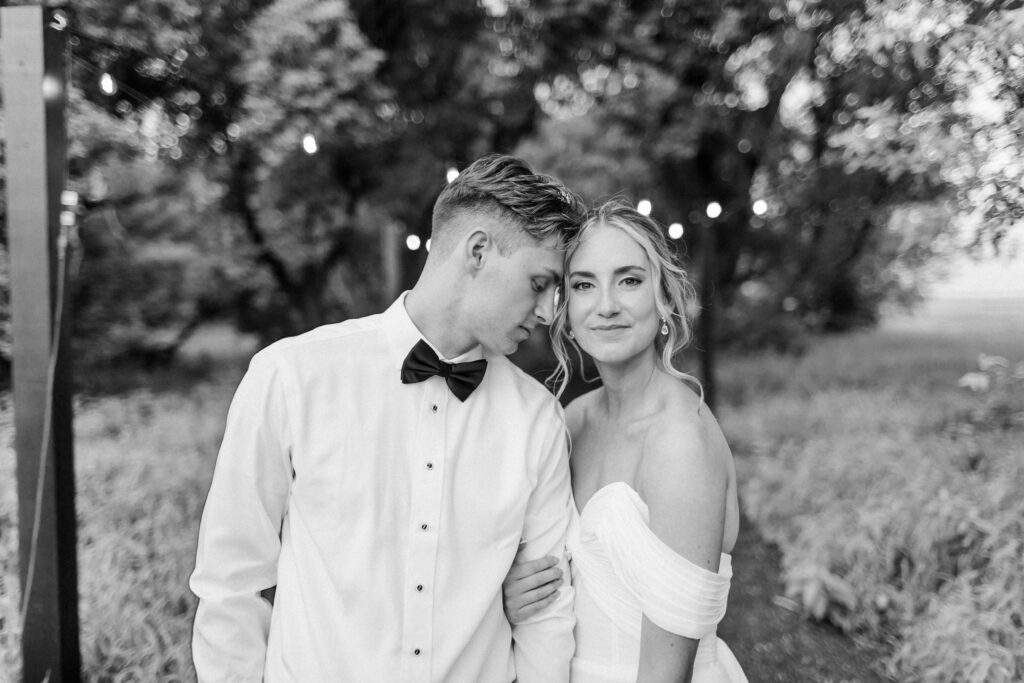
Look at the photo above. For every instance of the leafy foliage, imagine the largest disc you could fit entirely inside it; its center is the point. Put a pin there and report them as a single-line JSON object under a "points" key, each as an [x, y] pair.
{"points": [[893, 493], [857, 124], [866, 134]]}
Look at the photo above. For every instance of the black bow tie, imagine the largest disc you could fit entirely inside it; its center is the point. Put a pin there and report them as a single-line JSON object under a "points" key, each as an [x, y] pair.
{"points": [[462, 378]]}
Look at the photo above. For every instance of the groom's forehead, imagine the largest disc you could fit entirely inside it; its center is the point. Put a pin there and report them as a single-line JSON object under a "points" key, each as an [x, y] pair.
{"points": [[543, 258]]}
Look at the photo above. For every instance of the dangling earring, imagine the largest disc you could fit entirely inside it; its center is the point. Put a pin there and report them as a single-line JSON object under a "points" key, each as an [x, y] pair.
{"points": [[664, 326]]}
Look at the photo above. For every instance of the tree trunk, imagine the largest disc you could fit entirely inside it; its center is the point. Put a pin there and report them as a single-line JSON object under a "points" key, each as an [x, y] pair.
{"points": [[706, 322]]}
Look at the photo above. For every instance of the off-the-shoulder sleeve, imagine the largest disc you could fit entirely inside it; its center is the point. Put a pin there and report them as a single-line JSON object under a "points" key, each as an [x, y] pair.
{"points": [[673, 592]]}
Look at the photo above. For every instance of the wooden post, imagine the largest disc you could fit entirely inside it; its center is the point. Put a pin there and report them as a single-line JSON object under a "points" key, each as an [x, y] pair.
{"points": [[34, 98]]}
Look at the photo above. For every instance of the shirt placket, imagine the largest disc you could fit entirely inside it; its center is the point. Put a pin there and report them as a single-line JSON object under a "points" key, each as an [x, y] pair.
{"points": [[428, 472]]}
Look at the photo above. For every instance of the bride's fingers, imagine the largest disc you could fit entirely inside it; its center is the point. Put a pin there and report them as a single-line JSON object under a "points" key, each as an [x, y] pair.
{"points": [[542, 591], [522, 594], [527, 604], [528, 611], [524, 569], [531, 581]]}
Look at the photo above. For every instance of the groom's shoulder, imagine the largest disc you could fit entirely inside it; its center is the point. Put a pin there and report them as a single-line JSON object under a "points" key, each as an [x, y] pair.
{"points": [[363, 332], [519, 385]]}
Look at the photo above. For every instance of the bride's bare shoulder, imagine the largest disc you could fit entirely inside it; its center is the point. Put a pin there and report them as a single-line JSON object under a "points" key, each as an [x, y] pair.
{"points": [[681, 446]]}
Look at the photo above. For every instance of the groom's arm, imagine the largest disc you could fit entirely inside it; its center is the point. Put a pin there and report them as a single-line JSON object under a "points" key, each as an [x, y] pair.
{"points": [[239, 538], [543, 643]]}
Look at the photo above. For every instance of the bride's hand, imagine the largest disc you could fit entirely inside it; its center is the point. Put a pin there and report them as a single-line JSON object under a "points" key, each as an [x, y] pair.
{"points": [[529, 587]]}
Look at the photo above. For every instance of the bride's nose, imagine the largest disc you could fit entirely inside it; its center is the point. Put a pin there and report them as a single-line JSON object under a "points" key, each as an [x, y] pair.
{"points": [[609, 303]]}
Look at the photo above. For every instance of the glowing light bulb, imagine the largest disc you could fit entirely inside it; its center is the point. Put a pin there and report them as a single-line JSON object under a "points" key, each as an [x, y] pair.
{"points": [[714, 210], [452, 174], [309, 143], [428, 244], [413, 242], [675, 231], [107, 84], [644, 207], [760, 207]]}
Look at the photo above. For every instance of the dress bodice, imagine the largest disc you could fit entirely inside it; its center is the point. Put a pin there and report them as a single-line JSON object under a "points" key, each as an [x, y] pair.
{"points": [[622, 572]]}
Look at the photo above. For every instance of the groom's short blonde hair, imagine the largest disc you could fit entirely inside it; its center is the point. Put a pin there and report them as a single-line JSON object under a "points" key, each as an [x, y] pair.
{"points": [[538, 207]]}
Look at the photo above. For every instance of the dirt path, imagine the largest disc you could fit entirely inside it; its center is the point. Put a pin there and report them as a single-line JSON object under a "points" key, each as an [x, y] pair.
{"points": [[774, 644]]}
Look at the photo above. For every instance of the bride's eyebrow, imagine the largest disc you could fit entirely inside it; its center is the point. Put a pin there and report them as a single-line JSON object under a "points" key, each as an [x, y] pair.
{"points": [[617, 271]]}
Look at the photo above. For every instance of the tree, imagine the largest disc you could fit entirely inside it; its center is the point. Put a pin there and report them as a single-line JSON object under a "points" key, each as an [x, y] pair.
{"points": [[860, 131], [389, 94], [813, 109]]}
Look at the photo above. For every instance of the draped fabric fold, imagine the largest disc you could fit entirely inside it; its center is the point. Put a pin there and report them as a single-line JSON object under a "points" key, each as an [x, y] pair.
{"points": [[621, 568]]}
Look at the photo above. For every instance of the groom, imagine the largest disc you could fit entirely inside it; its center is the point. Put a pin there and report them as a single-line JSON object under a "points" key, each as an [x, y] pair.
{"points": [[382, 472]]}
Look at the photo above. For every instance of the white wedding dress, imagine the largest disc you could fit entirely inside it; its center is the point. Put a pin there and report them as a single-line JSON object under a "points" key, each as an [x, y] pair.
{"points": [[621, 571]]}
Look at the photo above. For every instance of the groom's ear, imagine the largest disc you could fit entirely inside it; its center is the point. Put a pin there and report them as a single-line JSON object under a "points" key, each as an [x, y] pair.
{"points": [[478, 246]]}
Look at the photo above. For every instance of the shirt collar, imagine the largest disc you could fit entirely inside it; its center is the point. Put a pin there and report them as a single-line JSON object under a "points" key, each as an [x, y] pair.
{"points": [[403, 334]]}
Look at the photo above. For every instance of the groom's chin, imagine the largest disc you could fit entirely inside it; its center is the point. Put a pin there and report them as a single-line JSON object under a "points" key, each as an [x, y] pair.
{"points": [[506, 348]]}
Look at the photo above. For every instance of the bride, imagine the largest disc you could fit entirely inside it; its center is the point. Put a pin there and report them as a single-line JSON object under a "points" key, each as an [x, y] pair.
{"points": [[652, 475]]}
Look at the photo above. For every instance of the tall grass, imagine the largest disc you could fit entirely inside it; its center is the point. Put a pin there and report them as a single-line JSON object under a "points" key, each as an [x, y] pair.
{"points": [[143, 466], [892, 492]]}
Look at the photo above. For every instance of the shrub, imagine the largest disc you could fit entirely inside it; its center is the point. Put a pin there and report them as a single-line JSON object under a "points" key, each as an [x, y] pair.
{"points": [[894, 496]]}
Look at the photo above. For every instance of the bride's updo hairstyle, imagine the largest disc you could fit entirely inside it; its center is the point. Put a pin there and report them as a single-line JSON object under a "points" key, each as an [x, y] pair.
{"points": [[674, 296]]}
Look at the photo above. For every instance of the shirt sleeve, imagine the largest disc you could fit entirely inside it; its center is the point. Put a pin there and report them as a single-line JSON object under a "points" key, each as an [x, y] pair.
{"points": [[543, 645], [240, 532]]}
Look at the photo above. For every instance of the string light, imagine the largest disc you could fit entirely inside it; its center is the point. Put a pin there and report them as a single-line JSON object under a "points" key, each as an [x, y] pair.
{"points": [[452, 174], [122, 88], [644, 207], [675, 231], [714, 210], [107, 84], [309, 144], [412, 242], [760, 207], [428, 244]]}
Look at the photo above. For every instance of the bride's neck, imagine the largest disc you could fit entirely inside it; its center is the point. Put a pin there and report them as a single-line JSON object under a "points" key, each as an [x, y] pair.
{"points": [[628, 386]]}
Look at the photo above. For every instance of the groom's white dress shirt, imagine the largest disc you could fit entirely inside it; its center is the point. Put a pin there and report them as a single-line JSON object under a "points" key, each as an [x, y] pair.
{"points": [[386, 514]]}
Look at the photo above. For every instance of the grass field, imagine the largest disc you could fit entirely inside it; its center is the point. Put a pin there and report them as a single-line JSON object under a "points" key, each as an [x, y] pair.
{"points": [[891, 492], [143, 464]]}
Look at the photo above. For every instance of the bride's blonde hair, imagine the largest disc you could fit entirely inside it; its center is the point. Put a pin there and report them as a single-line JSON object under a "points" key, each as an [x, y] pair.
{"points": [[674, 296]]}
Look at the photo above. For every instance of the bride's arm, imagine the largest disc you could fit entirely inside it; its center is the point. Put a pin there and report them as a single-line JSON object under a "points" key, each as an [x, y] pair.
{"points": [[529, 587], [684, 485]]}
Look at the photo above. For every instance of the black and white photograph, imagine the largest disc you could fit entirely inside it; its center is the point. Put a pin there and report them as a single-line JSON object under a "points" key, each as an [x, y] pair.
{"points": [[511, 341]]}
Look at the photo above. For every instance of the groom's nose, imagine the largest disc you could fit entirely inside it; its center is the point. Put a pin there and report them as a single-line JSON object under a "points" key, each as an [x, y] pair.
{"points": [[545, 307]]}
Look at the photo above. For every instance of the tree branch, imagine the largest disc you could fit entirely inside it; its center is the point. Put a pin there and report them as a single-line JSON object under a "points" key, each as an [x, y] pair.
{"points": [[241, 173]]}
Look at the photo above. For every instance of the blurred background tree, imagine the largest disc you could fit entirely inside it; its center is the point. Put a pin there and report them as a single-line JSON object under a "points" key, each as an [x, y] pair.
{"points": [[262, 162]]}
